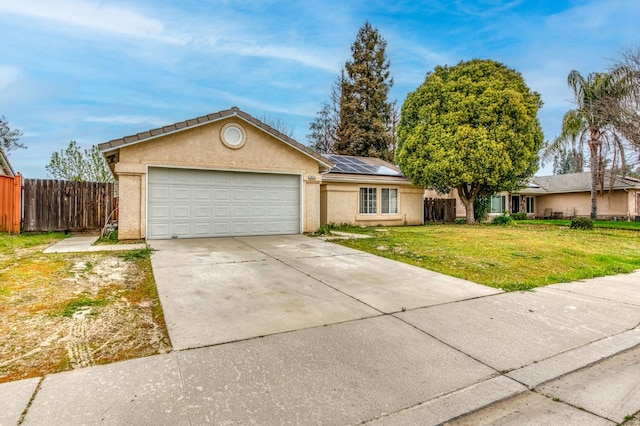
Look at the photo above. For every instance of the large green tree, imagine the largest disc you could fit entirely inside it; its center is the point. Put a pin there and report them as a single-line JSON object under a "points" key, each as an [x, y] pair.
{"points": [[81, 165], [365, 117], [473, 127]]}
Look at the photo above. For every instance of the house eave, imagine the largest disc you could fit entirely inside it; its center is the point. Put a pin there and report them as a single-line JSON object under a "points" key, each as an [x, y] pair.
{"points": [[373, 179]]}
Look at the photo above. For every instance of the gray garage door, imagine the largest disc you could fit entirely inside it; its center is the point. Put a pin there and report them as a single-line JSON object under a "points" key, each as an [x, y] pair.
{"points": [[186, 203]]}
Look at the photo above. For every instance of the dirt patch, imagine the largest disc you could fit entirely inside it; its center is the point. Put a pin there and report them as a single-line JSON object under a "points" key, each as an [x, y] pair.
{"points": [[67, 311]]}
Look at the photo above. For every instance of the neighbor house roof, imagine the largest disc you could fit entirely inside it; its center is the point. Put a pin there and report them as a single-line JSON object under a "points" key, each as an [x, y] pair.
{"points": [[116, 144], [5, 166], [575, 182], [363, 169]]}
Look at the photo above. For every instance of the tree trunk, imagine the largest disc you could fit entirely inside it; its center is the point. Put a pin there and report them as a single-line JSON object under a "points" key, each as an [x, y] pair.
{"points": [[594, 153], [468, 194]]}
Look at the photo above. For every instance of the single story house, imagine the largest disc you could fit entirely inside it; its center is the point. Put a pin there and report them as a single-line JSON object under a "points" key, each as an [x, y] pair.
{"points": [[5, 165], [564, 196], [229, 174], [570, 195], [368, 191]]}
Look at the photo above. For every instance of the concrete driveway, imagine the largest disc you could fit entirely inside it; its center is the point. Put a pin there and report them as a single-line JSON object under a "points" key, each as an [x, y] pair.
{"points": [[320, 334], [220, 290]]}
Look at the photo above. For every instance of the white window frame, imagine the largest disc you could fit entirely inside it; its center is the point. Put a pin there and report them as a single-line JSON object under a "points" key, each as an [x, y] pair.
{"points": [[368, 200], [501, 200], [390, 205], [531, 204]]}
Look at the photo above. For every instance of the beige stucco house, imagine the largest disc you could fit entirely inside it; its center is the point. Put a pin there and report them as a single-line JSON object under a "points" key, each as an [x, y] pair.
{"points": [[570, 195], [368, 191], [564, 196], [229, 174], [217, 175]]}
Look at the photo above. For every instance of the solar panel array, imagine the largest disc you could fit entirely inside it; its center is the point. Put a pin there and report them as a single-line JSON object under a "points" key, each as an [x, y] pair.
{"points": [[352, 165]]}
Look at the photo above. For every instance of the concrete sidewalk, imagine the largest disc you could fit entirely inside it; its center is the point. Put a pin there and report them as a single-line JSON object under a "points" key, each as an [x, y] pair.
{"points": [[564, 354]]}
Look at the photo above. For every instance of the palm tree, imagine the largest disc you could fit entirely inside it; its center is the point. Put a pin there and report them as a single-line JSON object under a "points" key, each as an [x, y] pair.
{"points": [[593, 121]]}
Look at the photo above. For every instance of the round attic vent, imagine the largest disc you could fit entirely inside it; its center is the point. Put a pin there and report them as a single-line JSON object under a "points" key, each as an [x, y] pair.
{"points": [[233, 135]]}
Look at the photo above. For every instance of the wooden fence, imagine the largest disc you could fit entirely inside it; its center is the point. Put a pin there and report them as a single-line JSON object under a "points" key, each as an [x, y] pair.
{"points": [[55, 205], [440, 210], [10, 204]]}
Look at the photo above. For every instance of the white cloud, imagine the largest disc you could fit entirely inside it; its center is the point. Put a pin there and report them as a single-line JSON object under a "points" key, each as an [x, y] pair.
{"points": [[95, 16], [8, 76], [125, 119]]}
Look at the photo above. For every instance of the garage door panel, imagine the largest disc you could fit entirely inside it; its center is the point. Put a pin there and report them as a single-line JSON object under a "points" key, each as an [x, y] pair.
{"points": [[181, 193], [202, 212], [222, 212], [240, 194], [181, 229], [222, 194], [199, 203], [201, 194], [180, 212], [202, 229], [180, 176], [160, 212], [239, 211], [257, 212]]}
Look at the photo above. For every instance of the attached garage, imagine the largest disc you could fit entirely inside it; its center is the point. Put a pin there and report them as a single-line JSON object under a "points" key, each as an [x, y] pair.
{"points": [[184, 203], [223, 174]]}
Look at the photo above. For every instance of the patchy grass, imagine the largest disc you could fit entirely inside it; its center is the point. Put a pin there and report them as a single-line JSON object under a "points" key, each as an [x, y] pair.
{"points": [[65, 311], [512, 258]]}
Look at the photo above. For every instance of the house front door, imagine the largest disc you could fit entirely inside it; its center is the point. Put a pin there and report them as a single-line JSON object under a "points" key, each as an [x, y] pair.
{"points": [[515, 203]]}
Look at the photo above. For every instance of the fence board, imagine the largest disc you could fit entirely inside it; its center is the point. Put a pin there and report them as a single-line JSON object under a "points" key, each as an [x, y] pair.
{"points": [[56, 205], [10, 203], [440, 210]]}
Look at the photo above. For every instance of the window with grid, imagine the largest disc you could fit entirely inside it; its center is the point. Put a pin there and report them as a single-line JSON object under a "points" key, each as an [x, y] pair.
{"points": [[368, 200], [389, 200]]}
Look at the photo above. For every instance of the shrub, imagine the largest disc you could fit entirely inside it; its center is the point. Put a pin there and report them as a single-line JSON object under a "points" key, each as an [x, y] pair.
{"points": [[519, 216], [461, 221], [481, 207], [326, 229], [581, 223], [503, 220]]}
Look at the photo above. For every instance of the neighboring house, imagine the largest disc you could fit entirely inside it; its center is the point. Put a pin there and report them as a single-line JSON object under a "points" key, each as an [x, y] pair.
{"points": [[564, 196], [368, 191], [5, 166], [223, 174], [570, 195]]}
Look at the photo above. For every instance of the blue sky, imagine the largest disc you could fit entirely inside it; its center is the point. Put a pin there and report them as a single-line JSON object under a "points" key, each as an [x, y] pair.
{"points": [[92, 71]]}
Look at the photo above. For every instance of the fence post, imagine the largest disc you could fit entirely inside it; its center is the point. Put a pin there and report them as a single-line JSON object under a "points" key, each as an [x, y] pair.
{"points": [[16, 215]]}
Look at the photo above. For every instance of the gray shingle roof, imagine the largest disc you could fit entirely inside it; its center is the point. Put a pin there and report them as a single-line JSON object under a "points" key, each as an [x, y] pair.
{"points": [[577, 182], [115, 144]]}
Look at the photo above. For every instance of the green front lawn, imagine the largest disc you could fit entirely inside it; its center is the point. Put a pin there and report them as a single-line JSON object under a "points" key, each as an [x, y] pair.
{"points": [[512, 258]]}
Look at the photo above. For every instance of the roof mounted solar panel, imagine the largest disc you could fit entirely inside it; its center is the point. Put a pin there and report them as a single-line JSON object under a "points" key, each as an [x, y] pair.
{"points": [[354, 165]]}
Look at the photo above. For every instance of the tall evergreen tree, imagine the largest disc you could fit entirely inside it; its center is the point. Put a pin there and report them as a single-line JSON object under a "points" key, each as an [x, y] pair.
{"points": [[365, 119]]}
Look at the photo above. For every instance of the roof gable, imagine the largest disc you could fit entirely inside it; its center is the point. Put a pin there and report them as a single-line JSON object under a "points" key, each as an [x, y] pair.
{"points": [[116, 144], [5, 166]]}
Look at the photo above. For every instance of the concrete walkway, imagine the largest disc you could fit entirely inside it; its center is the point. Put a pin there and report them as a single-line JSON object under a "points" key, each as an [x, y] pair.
{"points": [[85, 244], [401, 346]]}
